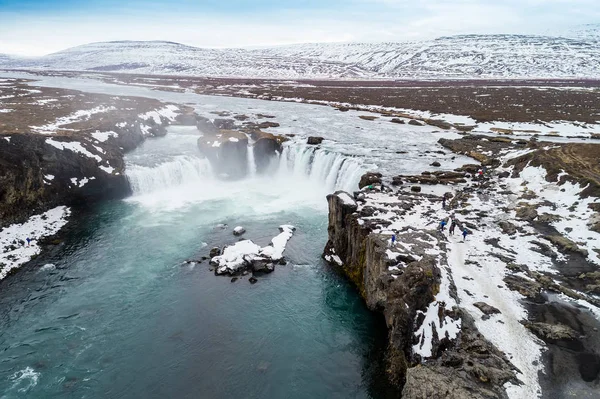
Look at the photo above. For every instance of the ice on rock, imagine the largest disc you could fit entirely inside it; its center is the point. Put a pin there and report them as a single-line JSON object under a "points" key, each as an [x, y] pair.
{"points": [[241, 254], [238, 231], [278, 243], [14, 250]]}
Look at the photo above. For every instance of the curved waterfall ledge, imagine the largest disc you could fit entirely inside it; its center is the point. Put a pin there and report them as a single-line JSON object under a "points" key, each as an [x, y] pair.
{"points": [[325, 169]]}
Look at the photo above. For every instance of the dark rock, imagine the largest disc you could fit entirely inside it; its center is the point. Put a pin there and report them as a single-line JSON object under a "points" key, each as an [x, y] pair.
{"points": [[266, 125], [227, 152], [485, 308], [262, 265], [397, 181], [252, 280], [503, 175], [415, 123], [234, 279], [369, 178], [215, 251], [436, 164], [551, 332], [238, 231], [544, 249], [415, 189], [397, 120], [527, 212], [224, 124], [508, 228], [206, 126], [313, 140], [565, 245], [28, 158]]}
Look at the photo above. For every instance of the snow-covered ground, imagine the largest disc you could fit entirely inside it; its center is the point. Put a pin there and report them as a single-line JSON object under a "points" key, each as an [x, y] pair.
{"points": [[478, 56], [14, 249], [478, 265]]}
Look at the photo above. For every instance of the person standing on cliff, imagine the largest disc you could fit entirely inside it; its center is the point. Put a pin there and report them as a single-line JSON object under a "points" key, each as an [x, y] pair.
{"points": [[442, 225], [393, 239], [452, 226], [464, 234], [28, 241]]}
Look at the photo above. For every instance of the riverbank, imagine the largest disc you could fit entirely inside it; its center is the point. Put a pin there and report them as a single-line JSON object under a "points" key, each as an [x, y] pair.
{"points": [[529, 237]]}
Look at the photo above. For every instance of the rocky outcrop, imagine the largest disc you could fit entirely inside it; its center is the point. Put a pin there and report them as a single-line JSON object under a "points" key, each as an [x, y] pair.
{"points": [[227, 152], [369, 178], [266, 147], [313, 140], [402, 286], [36, 176], [477, 370]]}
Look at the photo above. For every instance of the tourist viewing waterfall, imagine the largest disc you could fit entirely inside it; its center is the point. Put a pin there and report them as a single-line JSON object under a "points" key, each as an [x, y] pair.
{"points": [[232, 200]]}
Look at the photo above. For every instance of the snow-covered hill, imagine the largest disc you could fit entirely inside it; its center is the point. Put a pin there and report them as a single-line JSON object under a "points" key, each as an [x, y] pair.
{"points": [[481, 56]]}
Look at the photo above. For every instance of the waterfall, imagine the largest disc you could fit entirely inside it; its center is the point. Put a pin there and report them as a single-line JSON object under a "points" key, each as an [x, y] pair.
{"points": [[251, 162], [176, 172], [325, 169], [333, 170]]}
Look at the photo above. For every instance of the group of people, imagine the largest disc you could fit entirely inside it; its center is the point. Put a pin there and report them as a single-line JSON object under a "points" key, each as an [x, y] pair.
{"points": [[453, 223]]}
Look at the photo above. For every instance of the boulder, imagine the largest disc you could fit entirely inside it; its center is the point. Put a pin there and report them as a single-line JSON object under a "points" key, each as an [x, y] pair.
{"points": [[268, 124], [238, 231], [565, 245], [313, 140], [266, 147], [415, 122], [262, 265], [397, 120], [206, 126], [551, 332], [369, 178], [214, 251], [527, 212], [486, 309], [227, 152], [507, 227], [415, 189], [367, 117], [224, 124], [436, 164]]}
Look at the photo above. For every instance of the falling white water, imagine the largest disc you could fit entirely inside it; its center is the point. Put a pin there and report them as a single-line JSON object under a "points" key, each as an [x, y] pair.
{"points": [[178, 171], [251, 162], [332, 170], [325, 170]]}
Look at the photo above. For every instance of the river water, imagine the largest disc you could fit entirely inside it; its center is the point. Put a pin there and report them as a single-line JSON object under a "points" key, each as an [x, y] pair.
{"points": [[115, 312]]}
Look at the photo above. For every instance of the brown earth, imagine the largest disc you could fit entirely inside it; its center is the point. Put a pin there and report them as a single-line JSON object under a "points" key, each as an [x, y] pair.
{"points": [[37, 106], [484, 100]]}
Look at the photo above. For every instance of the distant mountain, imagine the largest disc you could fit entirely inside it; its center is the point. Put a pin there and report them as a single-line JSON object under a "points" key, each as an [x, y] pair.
{"points": [[466, 56]]}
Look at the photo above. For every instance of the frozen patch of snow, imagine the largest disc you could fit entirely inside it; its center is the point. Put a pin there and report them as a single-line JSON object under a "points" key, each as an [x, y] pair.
{"points": [[103, 136], [278, 243], [12, 253], [107, 169], [169, 112], [77, 116], [346, 198], [74, 146]]}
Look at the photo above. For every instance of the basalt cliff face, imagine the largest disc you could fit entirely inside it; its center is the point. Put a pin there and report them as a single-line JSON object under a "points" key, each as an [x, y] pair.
{"points": [[38, 172], [402, 285], [504, 302]]}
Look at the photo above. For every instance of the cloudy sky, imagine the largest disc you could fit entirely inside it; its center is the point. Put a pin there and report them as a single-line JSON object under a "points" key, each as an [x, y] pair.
{"points": [[37, 27]]}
